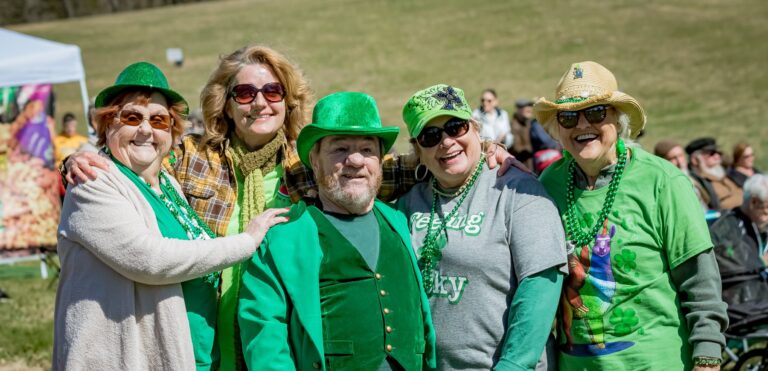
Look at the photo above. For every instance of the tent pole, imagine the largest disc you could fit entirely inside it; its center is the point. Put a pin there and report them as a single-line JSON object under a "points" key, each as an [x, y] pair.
{"points": [[86, 101]]}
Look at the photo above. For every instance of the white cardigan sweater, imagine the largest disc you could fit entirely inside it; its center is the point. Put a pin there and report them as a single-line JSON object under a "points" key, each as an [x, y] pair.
{"points": [[119, 304]]}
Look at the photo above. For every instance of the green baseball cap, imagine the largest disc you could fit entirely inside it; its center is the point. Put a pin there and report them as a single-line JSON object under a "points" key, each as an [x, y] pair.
{"points": [[345, 113], [140, 75], [437, 100]]}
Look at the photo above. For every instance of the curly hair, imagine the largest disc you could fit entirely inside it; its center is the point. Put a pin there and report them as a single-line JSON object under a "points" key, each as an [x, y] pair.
{"points": [[213, 98], [104, 116]]}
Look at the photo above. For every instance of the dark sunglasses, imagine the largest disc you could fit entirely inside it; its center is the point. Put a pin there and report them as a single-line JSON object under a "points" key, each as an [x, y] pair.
{"points": [[431, 136], [133, 118], [594, 115], [273, 92]]}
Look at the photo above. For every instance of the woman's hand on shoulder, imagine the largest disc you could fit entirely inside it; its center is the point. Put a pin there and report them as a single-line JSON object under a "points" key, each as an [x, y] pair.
{"points": [[497, 154], [80, 166], [259, 225]]}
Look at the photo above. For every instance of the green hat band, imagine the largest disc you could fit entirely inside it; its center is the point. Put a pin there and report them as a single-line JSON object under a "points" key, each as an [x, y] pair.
{"points": [[434, 101]]}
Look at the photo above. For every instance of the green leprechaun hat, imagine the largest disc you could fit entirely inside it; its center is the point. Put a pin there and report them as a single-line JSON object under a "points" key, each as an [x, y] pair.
{"points": [[344, 113], [140, 75]]}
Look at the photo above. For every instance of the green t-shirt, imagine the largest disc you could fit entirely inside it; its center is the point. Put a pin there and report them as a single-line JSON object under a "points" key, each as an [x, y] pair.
{"points": [[633, 314]]}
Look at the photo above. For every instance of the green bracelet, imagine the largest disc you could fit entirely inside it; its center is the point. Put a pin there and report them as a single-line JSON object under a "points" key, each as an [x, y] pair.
{"points": [[706, 361]]}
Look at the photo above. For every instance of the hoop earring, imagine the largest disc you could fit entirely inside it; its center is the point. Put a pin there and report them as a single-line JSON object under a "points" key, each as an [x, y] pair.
{"points": [[420, 168]]}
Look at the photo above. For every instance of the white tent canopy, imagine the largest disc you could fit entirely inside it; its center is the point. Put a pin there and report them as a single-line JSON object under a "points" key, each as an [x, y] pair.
{"points": [[27, 59]]}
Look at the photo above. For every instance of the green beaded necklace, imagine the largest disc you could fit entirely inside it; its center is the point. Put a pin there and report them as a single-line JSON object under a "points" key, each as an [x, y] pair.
{"points": [[435, 240], [576, 236]]}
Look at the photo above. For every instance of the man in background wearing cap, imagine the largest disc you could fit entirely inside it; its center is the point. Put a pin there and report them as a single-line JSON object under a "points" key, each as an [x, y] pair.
{"points": [[338, 286], [530, 137], [717, 191]]}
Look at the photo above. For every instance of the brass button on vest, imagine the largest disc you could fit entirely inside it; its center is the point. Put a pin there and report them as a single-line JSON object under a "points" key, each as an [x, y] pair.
{"points": [[389, 347], [389, 328], [387, 311], [383, 293], [378, 276]]}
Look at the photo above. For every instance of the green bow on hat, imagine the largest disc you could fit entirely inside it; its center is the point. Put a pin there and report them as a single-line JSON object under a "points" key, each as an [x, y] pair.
{"points": [[140, 75], [345, 113], [434, 101]]}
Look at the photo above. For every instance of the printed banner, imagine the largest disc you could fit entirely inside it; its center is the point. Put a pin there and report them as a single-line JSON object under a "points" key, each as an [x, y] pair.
{"points": [[29, 192]]}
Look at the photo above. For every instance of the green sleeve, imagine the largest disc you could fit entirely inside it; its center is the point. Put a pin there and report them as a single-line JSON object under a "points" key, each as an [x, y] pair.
{"points": [[684, 230], [530, 320], [699, 288], [263, 315]]}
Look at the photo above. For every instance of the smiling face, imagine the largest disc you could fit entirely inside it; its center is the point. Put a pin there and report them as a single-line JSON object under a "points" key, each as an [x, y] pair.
{"points": [[256, 123], [452, 160], [348, 171], [593, 146], [142, 146]]}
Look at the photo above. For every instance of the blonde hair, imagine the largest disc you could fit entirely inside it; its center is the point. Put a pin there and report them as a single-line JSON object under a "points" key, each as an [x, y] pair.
{"points": [[213, 98]]}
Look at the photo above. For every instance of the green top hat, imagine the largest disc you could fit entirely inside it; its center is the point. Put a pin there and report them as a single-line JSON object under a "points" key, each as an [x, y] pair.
{"points": [[344, 113], [437, 100], [140, 75]]}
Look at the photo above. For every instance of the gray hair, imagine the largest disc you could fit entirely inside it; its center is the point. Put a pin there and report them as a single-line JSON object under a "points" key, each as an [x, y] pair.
{"points": [[756, 186]]}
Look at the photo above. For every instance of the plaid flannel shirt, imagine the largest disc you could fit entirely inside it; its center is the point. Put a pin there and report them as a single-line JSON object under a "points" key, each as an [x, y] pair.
{"points": [[208, 181]]}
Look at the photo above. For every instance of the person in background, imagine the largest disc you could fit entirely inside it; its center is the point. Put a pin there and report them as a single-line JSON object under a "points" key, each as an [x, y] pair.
{"points": [[494, 121], [68, 141], [740, 244], [530, 137], [673, 152], [338, 287], [743, 163], [717, 190], [644, 290], [491, 249]]}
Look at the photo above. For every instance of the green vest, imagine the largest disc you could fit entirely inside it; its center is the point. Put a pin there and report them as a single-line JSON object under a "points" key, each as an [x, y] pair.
{"points": [[367, 315]]}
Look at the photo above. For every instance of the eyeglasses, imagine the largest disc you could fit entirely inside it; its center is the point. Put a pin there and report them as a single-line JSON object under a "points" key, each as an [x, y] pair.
{"points": [[273, 92], [431, 136], [133, 118], [594, 115]]}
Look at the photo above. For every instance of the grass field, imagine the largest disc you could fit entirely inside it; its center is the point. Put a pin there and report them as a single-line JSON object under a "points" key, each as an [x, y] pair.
{"points": [[27, 319], [697, 66]]}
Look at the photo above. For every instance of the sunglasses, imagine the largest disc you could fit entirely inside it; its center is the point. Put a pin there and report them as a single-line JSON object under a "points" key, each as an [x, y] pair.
{"points": [[273, 92], [594, 115], [431, 136], [133, 118]]}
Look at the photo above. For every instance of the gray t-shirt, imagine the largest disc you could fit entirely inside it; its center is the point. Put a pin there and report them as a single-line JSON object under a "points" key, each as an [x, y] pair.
{"points": [[507, 229]]}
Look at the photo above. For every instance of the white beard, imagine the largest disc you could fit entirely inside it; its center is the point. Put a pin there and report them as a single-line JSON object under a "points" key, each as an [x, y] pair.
{"points": [[354, 202], [717, 171]]}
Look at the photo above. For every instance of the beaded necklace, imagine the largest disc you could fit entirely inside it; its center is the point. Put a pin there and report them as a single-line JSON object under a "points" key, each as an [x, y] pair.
{"points": [[195, 228], [577, 236], [435, 240]]}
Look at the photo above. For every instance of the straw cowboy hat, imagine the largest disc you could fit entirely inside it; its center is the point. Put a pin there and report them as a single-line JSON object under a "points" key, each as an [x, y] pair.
{"points": [[583, 85]]}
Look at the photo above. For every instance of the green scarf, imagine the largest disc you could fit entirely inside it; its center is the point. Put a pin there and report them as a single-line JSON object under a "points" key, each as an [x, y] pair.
{"points": [[254, 165]]}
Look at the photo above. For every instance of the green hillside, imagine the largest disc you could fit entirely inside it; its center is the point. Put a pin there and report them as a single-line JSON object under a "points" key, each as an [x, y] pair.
{"points": [[698, 67]]}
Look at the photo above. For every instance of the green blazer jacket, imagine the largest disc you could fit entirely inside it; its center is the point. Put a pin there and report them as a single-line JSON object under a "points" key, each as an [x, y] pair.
{"points": [[279, 306]]}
